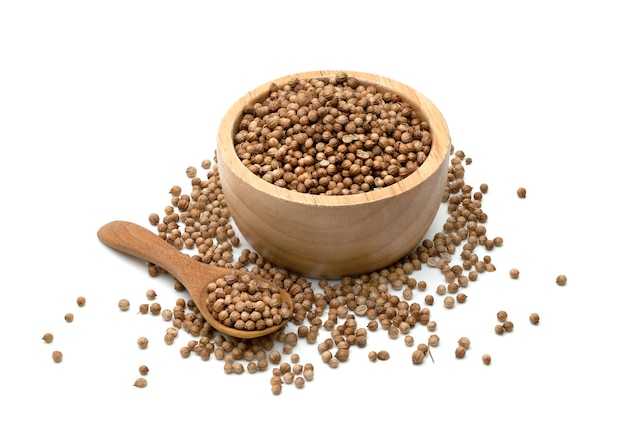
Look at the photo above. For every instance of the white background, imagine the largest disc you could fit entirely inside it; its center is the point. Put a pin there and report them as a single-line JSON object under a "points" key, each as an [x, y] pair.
{"points": [[103, 105]]}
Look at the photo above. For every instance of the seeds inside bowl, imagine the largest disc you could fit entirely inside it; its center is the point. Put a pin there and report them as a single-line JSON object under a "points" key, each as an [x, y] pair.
{"points": [[331, 135]]}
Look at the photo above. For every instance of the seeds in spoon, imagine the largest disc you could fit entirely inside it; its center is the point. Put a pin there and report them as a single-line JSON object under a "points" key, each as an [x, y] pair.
{"points": [[242, 302]]}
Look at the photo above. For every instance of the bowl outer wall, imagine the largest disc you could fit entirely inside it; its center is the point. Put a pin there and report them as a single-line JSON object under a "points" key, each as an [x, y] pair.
{"points": [[334, 236]]}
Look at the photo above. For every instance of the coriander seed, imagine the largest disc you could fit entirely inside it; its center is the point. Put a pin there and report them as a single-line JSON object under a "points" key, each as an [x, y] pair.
{"points": [[80, 301], [123, 304], [534, 318], [460, 352], [486, 359], [502, 316], [521, 192], [417, 357], [299, 382], [151, 295], [433, 340], [143, 370], [57, 356], [141, 382], [69, 317], [465, 342], [448, 302], [561, 280], [155, 308], [507, 325], [383, 355], [142, 342], [47, 337], [514, 273], [499, 329]]}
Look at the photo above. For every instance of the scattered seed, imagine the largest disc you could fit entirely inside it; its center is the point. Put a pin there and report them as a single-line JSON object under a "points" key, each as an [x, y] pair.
{"points": [[460, 352], [464, 342], [534, 318], [123, 304], [47, 337], [514, 273], [561, 280], [80, 301], [486, 359], [141, 382], [57, 356], [502, 316], [383, 355], [521, 192], [142, 342], [69, 317], [143, 370]]}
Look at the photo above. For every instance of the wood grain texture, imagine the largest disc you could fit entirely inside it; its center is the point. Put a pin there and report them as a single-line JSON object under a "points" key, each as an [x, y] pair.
{"points": [[140, 242], [334, 236]]}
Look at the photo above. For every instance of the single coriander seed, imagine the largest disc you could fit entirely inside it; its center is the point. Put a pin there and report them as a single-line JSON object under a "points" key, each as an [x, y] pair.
{"points": [[561, 280], [151, 294], [460, 352], [417, 357], [502, 316], [81, 301], [534, 318], [57, 356], [47, 337], [465, 342], [486, 359], [514, 273], [383, 355], [69, 317], [123, 304], [141, 382], [143, 370], [521, 192], [142, 342], [299, 382], [507, 325], [433, 340], [155, 308], [448, 302], [499, 329]]}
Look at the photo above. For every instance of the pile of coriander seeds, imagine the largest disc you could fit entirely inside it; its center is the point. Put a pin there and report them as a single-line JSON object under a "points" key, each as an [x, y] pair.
{"points": [[335, 316], [324, 136]]}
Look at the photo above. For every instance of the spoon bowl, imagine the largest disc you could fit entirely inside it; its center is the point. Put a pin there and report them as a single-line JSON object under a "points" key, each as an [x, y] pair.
{"points": [[194, 275]]}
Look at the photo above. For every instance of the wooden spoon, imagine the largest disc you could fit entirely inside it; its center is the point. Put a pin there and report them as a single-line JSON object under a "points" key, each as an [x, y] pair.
{"points": [[139, 242]]}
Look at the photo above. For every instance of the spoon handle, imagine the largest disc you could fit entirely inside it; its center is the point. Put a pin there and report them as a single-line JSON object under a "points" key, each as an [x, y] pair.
{"points": [[133, 239]]}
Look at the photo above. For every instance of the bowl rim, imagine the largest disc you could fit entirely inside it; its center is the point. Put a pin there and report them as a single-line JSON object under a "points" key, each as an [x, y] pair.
{"points": [[439, 151]]}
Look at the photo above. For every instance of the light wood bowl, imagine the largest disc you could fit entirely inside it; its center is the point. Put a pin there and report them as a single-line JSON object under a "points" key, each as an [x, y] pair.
{"points": [[335, 236]]}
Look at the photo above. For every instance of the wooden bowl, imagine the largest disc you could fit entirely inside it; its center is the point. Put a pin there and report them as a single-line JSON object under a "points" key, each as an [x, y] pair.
{"points": [[324, 236]]}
